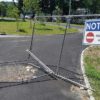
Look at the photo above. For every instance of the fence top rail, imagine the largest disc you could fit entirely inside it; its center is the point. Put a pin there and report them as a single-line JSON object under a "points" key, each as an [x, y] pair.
{"points": [[67, 16]]}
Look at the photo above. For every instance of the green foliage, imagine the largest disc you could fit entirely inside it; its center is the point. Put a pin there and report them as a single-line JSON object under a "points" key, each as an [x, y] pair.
{"points": [[63, 5], [12, 12], [47, 6], [31, 5], [50, 6], [3, 9], [19, 6], [92, 5]]}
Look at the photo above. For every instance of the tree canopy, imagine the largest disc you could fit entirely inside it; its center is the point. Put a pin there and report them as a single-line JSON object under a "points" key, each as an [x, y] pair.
{"points": [[47, 6], [3, 8], [51, 6], [92, 5]]}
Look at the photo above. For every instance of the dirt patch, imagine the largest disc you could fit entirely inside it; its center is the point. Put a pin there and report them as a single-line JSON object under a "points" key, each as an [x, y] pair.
{"points": [[16, 73], [93, 54], [93, 51], [82, 93]]}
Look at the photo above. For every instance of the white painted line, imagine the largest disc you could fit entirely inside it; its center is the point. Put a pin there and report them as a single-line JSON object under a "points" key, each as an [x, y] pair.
{"points": [[85, 77], [11, 36]]}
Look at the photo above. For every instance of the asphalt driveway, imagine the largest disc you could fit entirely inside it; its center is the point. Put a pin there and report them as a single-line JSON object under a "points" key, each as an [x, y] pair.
{"points": [[47, 48]]}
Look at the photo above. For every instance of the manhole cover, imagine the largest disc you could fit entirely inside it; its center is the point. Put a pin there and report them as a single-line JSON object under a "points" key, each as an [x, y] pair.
{"points": [[17, 72]]}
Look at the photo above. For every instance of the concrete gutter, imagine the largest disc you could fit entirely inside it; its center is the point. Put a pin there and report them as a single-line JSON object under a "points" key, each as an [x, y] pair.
{"points": [[12, 36]]}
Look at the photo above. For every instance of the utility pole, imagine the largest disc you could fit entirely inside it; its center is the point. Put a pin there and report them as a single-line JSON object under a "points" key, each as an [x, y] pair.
{"points": [[70, 6], [69, 13]]}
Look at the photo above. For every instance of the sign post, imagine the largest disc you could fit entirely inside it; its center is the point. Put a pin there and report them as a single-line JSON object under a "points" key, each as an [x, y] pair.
{"points": [[92, 32]]}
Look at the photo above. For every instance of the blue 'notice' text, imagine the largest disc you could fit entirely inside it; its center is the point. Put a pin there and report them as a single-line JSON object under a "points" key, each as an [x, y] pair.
{"points": [[92, 25]]}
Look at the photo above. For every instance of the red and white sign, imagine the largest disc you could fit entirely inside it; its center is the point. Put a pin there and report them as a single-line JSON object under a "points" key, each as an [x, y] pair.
{"points": [[90, 37]]}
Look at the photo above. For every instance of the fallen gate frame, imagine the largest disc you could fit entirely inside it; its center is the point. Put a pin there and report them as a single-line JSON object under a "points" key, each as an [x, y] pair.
{"points": [[45, 67], [52, 73]]}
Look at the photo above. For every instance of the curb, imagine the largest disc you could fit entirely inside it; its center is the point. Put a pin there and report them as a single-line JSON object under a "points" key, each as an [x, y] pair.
{"points": [[11, 36], [85, 77]]}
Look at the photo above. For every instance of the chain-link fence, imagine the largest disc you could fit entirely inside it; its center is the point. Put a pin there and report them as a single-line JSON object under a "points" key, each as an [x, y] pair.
{"points": [[55, 40]]}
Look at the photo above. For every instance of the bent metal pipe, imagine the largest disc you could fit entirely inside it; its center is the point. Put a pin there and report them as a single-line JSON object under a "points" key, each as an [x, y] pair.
{"points": [[53, 74]]}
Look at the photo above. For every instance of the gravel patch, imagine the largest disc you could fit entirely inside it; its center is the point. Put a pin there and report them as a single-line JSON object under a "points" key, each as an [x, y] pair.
{"points": [[16, 73]]}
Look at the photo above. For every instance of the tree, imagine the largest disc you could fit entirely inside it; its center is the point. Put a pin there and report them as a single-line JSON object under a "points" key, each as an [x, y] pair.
{"points": [[32, 6], [20, 6], [92, 5], [47, 6], [13, 12], [63, 5], [52, 6], [3, 9]]}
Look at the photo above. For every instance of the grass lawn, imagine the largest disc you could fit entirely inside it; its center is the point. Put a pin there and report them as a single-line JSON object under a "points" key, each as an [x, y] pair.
{"points": [[92, 67], [64, 24], [10, 27]]}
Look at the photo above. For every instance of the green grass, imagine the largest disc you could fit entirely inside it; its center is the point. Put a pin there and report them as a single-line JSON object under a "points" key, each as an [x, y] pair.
{"points": [[10, 27], [64, 24], [92, 67]]}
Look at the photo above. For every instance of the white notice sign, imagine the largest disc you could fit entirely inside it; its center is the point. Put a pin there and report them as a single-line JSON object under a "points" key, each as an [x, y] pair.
{"points": [[92, 32]]}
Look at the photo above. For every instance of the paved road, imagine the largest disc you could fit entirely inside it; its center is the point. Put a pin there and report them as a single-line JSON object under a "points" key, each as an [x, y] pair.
{"points": [[47, 48]]}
